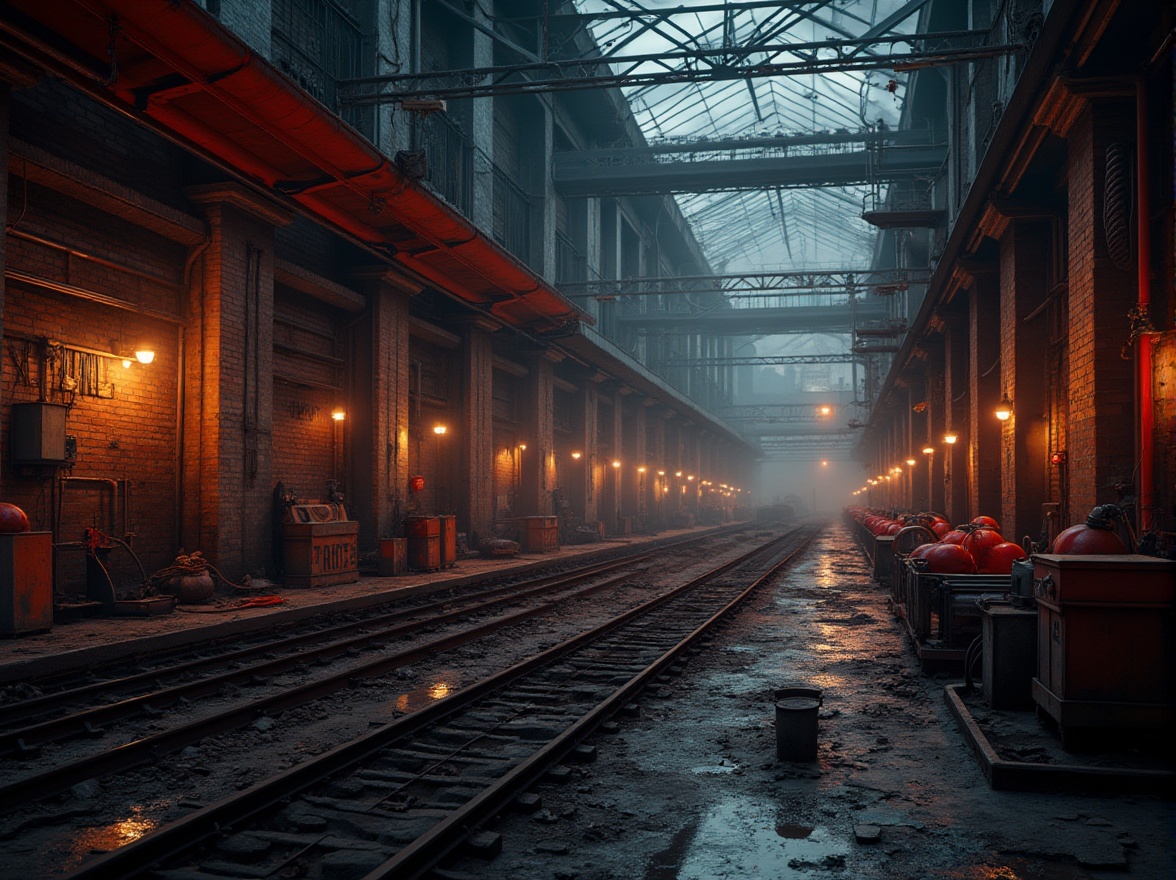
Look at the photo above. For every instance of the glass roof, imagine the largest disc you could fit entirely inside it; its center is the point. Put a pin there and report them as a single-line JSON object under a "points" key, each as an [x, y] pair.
{"points": [[798, 228]]}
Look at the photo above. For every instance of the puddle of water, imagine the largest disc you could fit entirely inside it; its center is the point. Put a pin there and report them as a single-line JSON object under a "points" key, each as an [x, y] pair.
{"points": [[413, 700], [741, 837], [104, 838]]}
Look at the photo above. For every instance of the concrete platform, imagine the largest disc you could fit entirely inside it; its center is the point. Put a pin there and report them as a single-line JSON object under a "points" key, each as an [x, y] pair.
{"points": [[1017, 753], [87, 642]]}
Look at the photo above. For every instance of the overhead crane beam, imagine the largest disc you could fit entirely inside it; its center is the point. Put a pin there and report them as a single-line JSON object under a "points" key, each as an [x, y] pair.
{"points": [[785, 413], [882, 282], [767, 321], [778, 163], [761, 360]]}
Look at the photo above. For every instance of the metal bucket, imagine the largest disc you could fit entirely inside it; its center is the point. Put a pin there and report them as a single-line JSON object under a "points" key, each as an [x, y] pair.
{"points": [[796, 728], [797, 689]]}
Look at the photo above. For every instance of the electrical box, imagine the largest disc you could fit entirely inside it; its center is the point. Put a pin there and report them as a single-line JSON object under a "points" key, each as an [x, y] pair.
{"points": [[38, 433]]}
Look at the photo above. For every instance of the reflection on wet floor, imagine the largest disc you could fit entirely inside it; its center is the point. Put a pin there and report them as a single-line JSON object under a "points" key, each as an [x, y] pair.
{"points": [[105, 838], [743, 837], [418, 698]]}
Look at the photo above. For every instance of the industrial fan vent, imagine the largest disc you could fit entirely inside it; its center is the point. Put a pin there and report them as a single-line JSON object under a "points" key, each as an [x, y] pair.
{"points": [[1117, 205]]}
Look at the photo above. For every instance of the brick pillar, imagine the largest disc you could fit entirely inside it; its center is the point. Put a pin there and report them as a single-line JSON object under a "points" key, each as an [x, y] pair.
{"points": [[610, 451], [984, 392], [956, 386], [587, 405], [1101, 424], [475, 472], [632, 435], [659, 472], [1024, 437], [538, 461], [380, 377], [228, 420], [5, 100], [936, 428]]}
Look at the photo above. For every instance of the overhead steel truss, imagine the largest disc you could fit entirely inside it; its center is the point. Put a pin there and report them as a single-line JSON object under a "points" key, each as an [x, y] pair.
{"points": [[883, 282], [685, 65], [761, 360]]}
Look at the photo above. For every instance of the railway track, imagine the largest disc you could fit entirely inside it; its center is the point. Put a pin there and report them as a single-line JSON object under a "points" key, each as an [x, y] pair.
{"points": [[94, 710], [394, 802]]}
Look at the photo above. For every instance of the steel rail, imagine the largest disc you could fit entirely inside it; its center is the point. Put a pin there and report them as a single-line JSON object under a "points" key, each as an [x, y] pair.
{"points": [[191, 831], [35, 787], [431, 848], [37, 706]]}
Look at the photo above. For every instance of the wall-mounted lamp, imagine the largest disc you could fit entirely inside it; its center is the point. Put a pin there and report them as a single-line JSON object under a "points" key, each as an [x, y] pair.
{"points": [[522, 447], [144, 353], [641, 469], [928, 450], [616, 462], [677, 473], [439, 429], [338, 414], [949, 439], [910, 462], [1004, 409], [576, 456]]}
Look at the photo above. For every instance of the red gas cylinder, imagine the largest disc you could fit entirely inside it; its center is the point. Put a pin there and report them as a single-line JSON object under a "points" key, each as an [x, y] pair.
{"points": [[1083, 540], [12, 518], [1000, 559], [1094, 536], [979, 541], [949, 559]]}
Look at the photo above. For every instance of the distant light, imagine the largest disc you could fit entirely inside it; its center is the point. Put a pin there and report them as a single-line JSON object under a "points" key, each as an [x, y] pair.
{"points": [[950, 439], [439, 429], [928, 450], [641, 469], [824, 463], [522, 447], [910, 462], [576, 455], [338, 414], [616, 463]]}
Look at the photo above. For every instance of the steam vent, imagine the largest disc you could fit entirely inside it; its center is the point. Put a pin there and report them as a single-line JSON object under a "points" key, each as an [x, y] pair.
{"points": [[587, 439]]}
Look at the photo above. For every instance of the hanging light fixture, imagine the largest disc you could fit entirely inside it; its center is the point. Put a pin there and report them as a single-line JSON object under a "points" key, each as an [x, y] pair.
{"points": [[1004, 409]]}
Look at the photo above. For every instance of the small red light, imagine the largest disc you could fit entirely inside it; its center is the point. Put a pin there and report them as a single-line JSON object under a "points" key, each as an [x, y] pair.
{"points": [[1057, 458]]}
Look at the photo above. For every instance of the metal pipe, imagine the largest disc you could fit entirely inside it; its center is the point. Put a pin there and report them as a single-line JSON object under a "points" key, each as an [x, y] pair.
{"points": [[114, 496], [1145, 356]]}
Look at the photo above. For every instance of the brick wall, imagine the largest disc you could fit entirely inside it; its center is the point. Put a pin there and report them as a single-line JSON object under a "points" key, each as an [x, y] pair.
{"points": [[306, 440], [128, 433]]}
